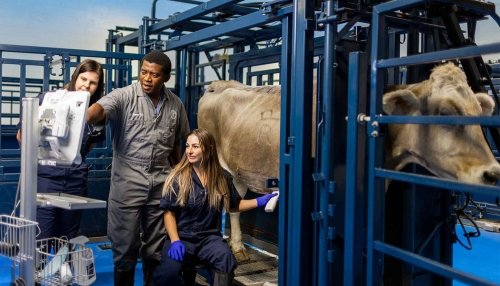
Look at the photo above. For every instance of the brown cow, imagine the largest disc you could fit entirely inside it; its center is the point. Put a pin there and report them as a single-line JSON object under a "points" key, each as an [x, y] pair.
{"points": [[448, 151]]}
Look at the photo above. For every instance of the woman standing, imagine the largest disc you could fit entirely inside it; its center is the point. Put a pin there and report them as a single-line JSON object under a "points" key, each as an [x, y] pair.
{"points": [[56, 222], [194, 195]]}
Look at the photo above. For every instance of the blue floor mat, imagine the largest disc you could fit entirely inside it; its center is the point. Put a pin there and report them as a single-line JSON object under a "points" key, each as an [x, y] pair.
{"points": [[482, 260]]}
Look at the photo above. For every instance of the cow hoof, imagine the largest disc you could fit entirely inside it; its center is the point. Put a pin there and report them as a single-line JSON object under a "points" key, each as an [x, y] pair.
{"points": [[242, 256]]}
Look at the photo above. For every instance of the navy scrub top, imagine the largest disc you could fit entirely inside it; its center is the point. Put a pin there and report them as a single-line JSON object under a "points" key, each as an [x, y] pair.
{"points": [[197, 219]]}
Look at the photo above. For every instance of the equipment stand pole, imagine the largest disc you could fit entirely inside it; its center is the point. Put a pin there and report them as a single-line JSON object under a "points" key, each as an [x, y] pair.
{"points": [[28, 182]]}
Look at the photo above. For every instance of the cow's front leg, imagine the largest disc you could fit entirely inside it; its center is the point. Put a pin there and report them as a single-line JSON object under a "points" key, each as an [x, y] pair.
{"points": [[236, 242]]}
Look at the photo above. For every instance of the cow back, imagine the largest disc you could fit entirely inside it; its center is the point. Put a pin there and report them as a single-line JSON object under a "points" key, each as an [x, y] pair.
{"points": [[245, 122]]}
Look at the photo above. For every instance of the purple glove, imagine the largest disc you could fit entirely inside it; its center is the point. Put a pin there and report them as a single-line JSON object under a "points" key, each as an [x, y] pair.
{"points": [[262, 200], [177, 250]]}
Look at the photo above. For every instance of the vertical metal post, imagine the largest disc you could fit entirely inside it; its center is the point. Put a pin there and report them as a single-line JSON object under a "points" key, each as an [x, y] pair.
{"points": [[353, 230], [285, 156], [109, 42], [323, 251], [299, 191], [181, 74], [375, 224], [28, 180], [46, 71], [109, 75]]}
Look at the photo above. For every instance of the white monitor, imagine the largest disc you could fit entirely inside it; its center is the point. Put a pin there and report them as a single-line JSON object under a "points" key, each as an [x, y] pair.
{"points": [[62, 122]]}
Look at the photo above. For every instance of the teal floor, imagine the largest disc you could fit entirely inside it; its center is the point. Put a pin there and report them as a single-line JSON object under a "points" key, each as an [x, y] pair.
{"points": [[483, 260]]}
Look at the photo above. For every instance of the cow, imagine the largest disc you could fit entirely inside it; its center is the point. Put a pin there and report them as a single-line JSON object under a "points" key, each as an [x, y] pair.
{"points": [[448, 151], [461, 152], [245, 121]]}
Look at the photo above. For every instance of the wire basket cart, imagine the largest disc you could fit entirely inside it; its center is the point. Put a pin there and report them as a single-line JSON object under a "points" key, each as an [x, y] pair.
{"points": [[17, 242], [63, 262]]}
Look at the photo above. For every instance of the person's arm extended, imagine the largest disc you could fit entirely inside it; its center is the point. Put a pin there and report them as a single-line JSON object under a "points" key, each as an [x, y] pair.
{"points": [[95, 113], [171, 225], [246, 205]]}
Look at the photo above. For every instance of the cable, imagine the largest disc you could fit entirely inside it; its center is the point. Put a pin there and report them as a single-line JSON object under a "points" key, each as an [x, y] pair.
{"points": [[460, 213]]}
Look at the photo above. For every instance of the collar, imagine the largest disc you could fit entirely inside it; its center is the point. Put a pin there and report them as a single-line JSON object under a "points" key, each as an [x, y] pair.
{"points": [[196, 179]]}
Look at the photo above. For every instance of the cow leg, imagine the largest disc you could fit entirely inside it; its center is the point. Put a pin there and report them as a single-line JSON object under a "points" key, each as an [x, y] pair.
{"points": [[236, 242]]}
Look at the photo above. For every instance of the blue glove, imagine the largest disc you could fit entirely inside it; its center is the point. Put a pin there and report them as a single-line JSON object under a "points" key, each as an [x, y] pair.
{"points": [[177, 250], [262, 200]]}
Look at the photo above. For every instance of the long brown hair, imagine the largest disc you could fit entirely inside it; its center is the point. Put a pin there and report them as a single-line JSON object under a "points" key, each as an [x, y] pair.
{"points": [[88, 65], [216, 184]]}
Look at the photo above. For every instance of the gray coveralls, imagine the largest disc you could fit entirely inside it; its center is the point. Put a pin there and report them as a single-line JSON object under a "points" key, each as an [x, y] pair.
{"points": [[142, 142]]}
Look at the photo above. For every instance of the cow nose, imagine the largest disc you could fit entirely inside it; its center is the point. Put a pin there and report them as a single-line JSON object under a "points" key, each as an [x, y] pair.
{"points": [[491, 176]]}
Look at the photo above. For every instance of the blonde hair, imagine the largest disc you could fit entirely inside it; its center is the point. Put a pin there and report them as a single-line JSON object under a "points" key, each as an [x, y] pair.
{"points": [[216, 182]]}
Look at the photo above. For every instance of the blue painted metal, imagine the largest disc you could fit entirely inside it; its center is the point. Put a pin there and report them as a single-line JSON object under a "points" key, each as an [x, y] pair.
{"points": [[59, 51], [435, 119], [299, 185], [181, 74], [240, 23], [431, 265], [451, 185], [353, 215], [326, 131], [374, 218], [375, 246], [285, 150], [190, 14], [451, 54]]}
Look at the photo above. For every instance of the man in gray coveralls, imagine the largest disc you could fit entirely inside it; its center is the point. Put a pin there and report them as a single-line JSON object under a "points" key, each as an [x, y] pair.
{"points": [[146, 121]]}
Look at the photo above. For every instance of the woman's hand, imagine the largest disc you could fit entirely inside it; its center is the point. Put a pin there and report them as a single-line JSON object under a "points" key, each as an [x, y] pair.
{"points": [[177, 251], [262, 200]]}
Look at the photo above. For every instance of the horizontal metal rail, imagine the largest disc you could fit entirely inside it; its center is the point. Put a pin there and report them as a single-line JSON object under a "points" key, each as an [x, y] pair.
{"points": [[430, 265]]}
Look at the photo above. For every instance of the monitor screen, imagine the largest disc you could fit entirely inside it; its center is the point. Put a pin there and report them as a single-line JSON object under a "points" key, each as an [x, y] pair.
{"points": [[62, 122]]}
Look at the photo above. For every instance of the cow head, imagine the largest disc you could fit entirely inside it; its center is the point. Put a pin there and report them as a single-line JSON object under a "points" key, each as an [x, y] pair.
{"points": [[448, 151]]}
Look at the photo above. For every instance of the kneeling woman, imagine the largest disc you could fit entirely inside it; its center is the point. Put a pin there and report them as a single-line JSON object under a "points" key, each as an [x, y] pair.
{"points": [[194, 195]]}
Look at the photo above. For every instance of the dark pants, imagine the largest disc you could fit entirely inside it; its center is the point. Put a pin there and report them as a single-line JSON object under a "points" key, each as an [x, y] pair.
{"points": [[57, 222], [212, 251]]}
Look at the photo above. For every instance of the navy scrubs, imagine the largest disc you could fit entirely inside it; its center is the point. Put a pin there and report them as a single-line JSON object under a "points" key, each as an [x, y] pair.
{"points": [[198, 227]]}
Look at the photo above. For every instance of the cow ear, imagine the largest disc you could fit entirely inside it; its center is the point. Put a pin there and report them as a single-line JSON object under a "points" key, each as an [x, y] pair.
{"points": [[486, 102], [400, 102]]}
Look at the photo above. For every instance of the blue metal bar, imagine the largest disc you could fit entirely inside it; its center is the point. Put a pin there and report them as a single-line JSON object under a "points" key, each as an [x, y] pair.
{"points": [[299, 189], [352, 235], [22, 61], [431, 265], [56, 51], [326, 111], [240, 23], [376, 192], [22, 80], [436, 119], [451, 54], [285, 155], [451, 185], [182, 75], [190, 14]]}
